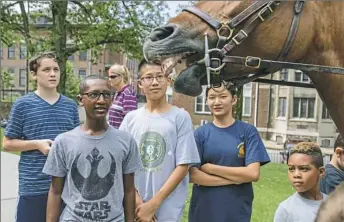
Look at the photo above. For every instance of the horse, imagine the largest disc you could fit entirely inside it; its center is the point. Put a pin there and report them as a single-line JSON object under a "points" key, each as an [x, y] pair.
{"points": [[318, 39]]}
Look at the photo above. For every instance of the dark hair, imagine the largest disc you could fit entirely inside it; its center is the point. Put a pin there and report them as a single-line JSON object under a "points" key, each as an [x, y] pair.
{"points": [[339, 142], [83, 83], [145, 62], [35, 61], [311, 149]]}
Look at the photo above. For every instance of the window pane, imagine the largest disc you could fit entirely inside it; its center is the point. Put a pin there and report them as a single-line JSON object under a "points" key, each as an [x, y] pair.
{"points": [[199, 108], [206, 108], [199, 99], [311, 104], [303, 112], [83, 55], [22, 77], [284, 74], [298, 75], [82, 73], [305, 78], [247, 106], [282, 106], [23, 51], [296, 106]]}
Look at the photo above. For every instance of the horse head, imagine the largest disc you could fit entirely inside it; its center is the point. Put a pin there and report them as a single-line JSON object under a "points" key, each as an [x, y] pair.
{"points": [[182, 40]]}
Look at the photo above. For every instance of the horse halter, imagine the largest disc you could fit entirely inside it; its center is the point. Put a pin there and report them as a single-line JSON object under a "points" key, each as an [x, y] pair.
{"points": [[226, 43]]}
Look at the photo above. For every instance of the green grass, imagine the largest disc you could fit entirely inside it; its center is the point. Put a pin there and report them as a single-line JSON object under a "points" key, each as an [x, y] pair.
{"points": [[272, 188], [2, 132]]}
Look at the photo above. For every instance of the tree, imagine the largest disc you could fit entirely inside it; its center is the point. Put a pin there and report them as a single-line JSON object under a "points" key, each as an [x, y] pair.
{"points": [[7, 80], [123, 25]]}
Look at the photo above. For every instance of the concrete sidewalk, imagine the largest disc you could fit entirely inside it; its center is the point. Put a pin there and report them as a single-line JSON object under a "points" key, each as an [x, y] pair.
{"points": [[9, 186]]}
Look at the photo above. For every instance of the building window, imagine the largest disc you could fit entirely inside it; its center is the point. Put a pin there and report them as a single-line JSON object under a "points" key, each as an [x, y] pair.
{"points": [[169, 99], [23, 51], [325, 112], [326, 143], [200, 103], [22, 77], [11, 54], [282, 106], [303, 108], [301, 76], [83, 55], [82, 73], [247, 99], [10, 70], [284, 74]]}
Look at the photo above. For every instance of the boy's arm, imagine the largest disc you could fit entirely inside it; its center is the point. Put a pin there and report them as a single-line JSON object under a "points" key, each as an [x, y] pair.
{"points": [[54, 199], [201, 178], [147, 210], [129, 197], [13, 145], [245, 174]]}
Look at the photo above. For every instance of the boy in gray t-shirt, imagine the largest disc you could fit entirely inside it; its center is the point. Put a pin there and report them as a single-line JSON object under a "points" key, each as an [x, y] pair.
{"points": [[167, 149], [305, 170], [93, 165]]}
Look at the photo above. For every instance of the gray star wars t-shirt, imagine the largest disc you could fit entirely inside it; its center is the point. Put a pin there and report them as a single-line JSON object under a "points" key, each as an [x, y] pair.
{"points": [[93, 167], [165, 141]]}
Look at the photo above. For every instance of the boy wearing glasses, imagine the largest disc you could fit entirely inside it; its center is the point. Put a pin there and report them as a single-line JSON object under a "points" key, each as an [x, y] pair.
{"points": [[167, 147], [92, 166], [35, 120]]}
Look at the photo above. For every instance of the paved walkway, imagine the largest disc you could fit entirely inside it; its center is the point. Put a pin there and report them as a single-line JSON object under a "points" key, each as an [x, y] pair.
{"points": [[9, 186]]}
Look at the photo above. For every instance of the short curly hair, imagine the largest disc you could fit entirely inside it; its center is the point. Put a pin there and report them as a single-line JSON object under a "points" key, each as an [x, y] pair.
{"points": [[35, 61], [310, 149]]}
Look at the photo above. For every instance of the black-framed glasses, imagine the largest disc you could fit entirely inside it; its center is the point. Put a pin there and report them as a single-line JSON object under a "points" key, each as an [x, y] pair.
{"points": [[150, 79], [96, 95]]}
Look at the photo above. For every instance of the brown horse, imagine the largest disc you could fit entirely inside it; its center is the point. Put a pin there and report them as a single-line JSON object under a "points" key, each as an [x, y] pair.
{"points": [[319, 40]]}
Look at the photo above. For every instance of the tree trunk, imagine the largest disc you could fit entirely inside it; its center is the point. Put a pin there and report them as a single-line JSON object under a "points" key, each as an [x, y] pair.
{"points": [[59, 36], [237, 111]]}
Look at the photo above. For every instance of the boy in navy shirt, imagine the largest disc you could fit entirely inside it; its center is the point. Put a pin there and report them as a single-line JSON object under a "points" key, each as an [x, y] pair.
{"points": [[231, 153]]}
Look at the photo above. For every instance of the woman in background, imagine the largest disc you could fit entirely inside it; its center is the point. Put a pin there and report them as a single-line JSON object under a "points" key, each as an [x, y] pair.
{"points": [[125, 99]]}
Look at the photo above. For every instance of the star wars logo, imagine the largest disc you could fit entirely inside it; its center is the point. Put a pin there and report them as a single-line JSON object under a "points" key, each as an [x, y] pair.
{"points": [[95, 211]]}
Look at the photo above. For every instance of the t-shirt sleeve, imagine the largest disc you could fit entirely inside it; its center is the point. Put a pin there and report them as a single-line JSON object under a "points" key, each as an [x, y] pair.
{"points": [[200, 146], [129, 101], [186, 150], [55, 164], [76, 116], [255, 148], [14, 128], [133, 162], [124, 124], [281, 214]]}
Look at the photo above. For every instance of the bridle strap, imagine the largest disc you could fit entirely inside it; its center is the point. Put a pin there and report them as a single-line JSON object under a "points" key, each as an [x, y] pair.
{"points": [[204, 16], [292, 31], [254, 22], [258, 63]]}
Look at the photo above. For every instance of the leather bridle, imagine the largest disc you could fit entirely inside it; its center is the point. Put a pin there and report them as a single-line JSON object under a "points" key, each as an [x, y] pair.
{"points": [[255, 14]]}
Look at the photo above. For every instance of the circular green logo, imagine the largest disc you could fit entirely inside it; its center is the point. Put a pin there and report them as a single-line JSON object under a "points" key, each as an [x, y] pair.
{"points": [[152, 149]]}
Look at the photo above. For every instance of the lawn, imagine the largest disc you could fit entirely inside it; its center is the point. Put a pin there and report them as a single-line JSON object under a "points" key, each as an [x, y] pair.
{"points": [[272, 188]]}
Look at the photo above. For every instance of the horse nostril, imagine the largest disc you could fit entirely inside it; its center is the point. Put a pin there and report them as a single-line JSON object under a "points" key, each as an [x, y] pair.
{"points": [[161, 33]]}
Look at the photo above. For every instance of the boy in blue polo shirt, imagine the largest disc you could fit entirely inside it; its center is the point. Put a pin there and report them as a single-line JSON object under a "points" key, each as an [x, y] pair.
{"points": [[35, 120]]}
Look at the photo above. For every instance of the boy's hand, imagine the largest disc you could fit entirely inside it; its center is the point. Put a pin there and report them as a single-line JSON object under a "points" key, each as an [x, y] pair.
{"points": [[44, 146], [146, 212]]}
